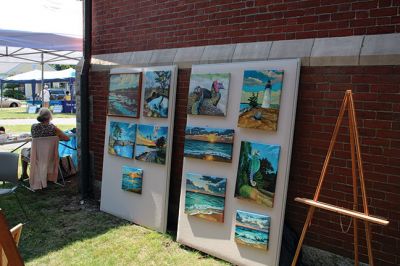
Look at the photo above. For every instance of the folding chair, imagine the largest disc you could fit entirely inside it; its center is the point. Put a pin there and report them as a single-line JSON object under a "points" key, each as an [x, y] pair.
{"points": [[9, 174], [9, 254]]}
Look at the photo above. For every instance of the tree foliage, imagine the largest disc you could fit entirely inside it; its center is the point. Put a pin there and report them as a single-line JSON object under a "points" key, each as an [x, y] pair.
{"points": [[163, 78], [253, 100]]}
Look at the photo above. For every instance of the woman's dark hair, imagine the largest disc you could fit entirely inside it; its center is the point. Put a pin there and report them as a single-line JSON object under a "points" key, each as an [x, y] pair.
{"points": [[2, 129]]}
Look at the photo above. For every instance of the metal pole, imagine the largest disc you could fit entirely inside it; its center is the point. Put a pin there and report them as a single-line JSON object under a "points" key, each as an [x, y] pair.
{"points": [[1, 94], [42, 82], [85, 175]]}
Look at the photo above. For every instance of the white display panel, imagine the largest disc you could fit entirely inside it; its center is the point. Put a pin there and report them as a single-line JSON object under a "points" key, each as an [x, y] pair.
{"points": [[150, 208], [217, 239]]}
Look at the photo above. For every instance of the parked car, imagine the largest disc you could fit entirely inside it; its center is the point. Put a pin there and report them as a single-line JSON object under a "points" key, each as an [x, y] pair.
{"points": [[57, 94], [10, 102]]}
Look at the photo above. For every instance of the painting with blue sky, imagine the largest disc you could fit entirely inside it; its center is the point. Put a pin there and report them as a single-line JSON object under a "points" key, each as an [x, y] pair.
{"points": [[156, 93], [121, 140], [252, 229], [257, 172], [124, 94], [205, 197], [132, 179], [260, 99], [151, 143]]}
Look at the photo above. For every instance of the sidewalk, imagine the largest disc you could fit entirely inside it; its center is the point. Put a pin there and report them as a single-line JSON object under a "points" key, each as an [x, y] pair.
{"points": [[56, 121]]}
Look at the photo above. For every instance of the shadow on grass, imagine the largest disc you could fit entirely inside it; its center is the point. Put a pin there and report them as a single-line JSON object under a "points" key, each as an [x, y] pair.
{"points": [[56, 219]]}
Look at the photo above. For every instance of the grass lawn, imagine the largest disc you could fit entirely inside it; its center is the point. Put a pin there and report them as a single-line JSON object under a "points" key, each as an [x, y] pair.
{"points": [[20, 113], [18, 129], [61, 231]]}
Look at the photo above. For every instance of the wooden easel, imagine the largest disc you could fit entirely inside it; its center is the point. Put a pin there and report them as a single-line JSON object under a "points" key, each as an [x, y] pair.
{"points": [[356, 162], [8, 244]]}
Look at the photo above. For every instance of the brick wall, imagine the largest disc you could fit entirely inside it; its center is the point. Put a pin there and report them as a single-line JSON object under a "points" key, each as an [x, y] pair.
{"points": [[377, 101], [121, 26]]}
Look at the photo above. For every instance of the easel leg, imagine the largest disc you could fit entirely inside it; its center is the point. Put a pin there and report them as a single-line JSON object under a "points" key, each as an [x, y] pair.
{"points": [[303, 234], [369, 244]]}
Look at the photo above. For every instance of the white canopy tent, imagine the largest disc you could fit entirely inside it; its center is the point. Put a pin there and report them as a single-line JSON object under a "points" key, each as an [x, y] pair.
{"points": [[47, 75], [41, 31]]}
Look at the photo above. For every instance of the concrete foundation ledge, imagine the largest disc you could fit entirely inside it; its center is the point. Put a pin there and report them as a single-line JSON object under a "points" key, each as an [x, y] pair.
{"points": [[318, 257], [360, 50]]}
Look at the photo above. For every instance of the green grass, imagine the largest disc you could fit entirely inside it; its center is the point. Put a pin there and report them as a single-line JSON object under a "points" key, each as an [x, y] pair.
{"points": [[20, 113], [61, 231], [18, 129]]}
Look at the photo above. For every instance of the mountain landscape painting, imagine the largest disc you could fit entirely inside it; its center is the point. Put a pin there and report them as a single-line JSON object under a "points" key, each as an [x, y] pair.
{"points": [[156, 93], [211, 144], [205, 197], [124, 95], [151, 144], [132, 179], [260, 99], [252, 229], [208, 94], [121, 140], [257, 172]]}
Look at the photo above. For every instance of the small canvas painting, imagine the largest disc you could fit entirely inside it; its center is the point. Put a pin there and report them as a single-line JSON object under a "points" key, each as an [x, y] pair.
{"points": [[211, 144], [132, 179], [257, 172], [208, 94], [156, 93], [151, 144], [205, 197], [124, 95], [252, 229], [121, 139], [260, 99]]}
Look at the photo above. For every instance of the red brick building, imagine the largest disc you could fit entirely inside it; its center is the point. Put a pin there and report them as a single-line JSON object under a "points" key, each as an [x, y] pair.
{"points": [[343, 45]]}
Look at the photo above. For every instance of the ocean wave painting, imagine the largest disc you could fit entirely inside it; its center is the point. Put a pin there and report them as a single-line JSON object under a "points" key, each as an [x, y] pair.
{"points": [[212, 144], [260, 99], [252, 229], [124, 94], [121, 139], [205, 197], [132, 179]]}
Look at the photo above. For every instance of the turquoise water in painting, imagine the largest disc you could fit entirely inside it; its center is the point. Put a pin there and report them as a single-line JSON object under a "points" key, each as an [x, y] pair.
{"points": [[196, 148], [251, 236], [128, 183], [122, 105], [198, 203], [124, 151]]}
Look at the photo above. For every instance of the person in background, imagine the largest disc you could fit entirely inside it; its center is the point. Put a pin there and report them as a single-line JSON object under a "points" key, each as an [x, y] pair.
{"points": [[67, 96], [2, 130], [46, 97], [40, 130]]}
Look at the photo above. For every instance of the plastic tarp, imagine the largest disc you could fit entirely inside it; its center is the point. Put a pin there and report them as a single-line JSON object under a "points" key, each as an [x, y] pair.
{"points": [[48, 31], [47, 75]]}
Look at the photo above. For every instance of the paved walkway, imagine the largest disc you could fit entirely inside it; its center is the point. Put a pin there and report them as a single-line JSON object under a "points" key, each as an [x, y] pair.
{"points": [[56, 121]]}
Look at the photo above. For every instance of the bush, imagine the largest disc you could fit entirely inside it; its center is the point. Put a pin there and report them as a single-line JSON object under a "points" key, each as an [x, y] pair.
{"points": [[16, 94]]}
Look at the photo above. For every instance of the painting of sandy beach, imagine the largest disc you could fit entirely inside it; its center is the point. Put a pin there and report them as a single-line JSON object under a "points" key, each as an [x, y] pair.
{"points": [[211, 144], [257, 172], [124, 94], [260, 99], [252, 229], [151, 144], [205, 197], [121, 139], [132, 179]]}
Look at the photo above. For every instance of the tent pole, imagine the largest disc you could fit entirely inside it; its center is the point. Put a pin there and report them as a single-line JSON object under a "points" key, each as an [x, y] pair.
{"points": [[85, 183], [1, 94], [42, 81]]}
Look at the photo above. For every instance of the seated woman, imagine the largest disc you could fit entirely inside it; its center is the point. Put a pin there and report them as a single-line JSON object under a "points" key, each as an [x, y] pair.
{"points": [[40, 130]]}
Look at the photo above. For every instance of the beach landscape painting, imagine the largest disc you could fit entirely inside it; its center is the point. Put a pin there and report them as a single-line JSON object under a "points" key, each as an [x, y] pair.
{"points": [[156, 93], [208, 94], [260, 99], [252, 229], [121, 139], [205, 197], [124, 94], [132, 179], [211, 144], [151, 144], [257, 172]]}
